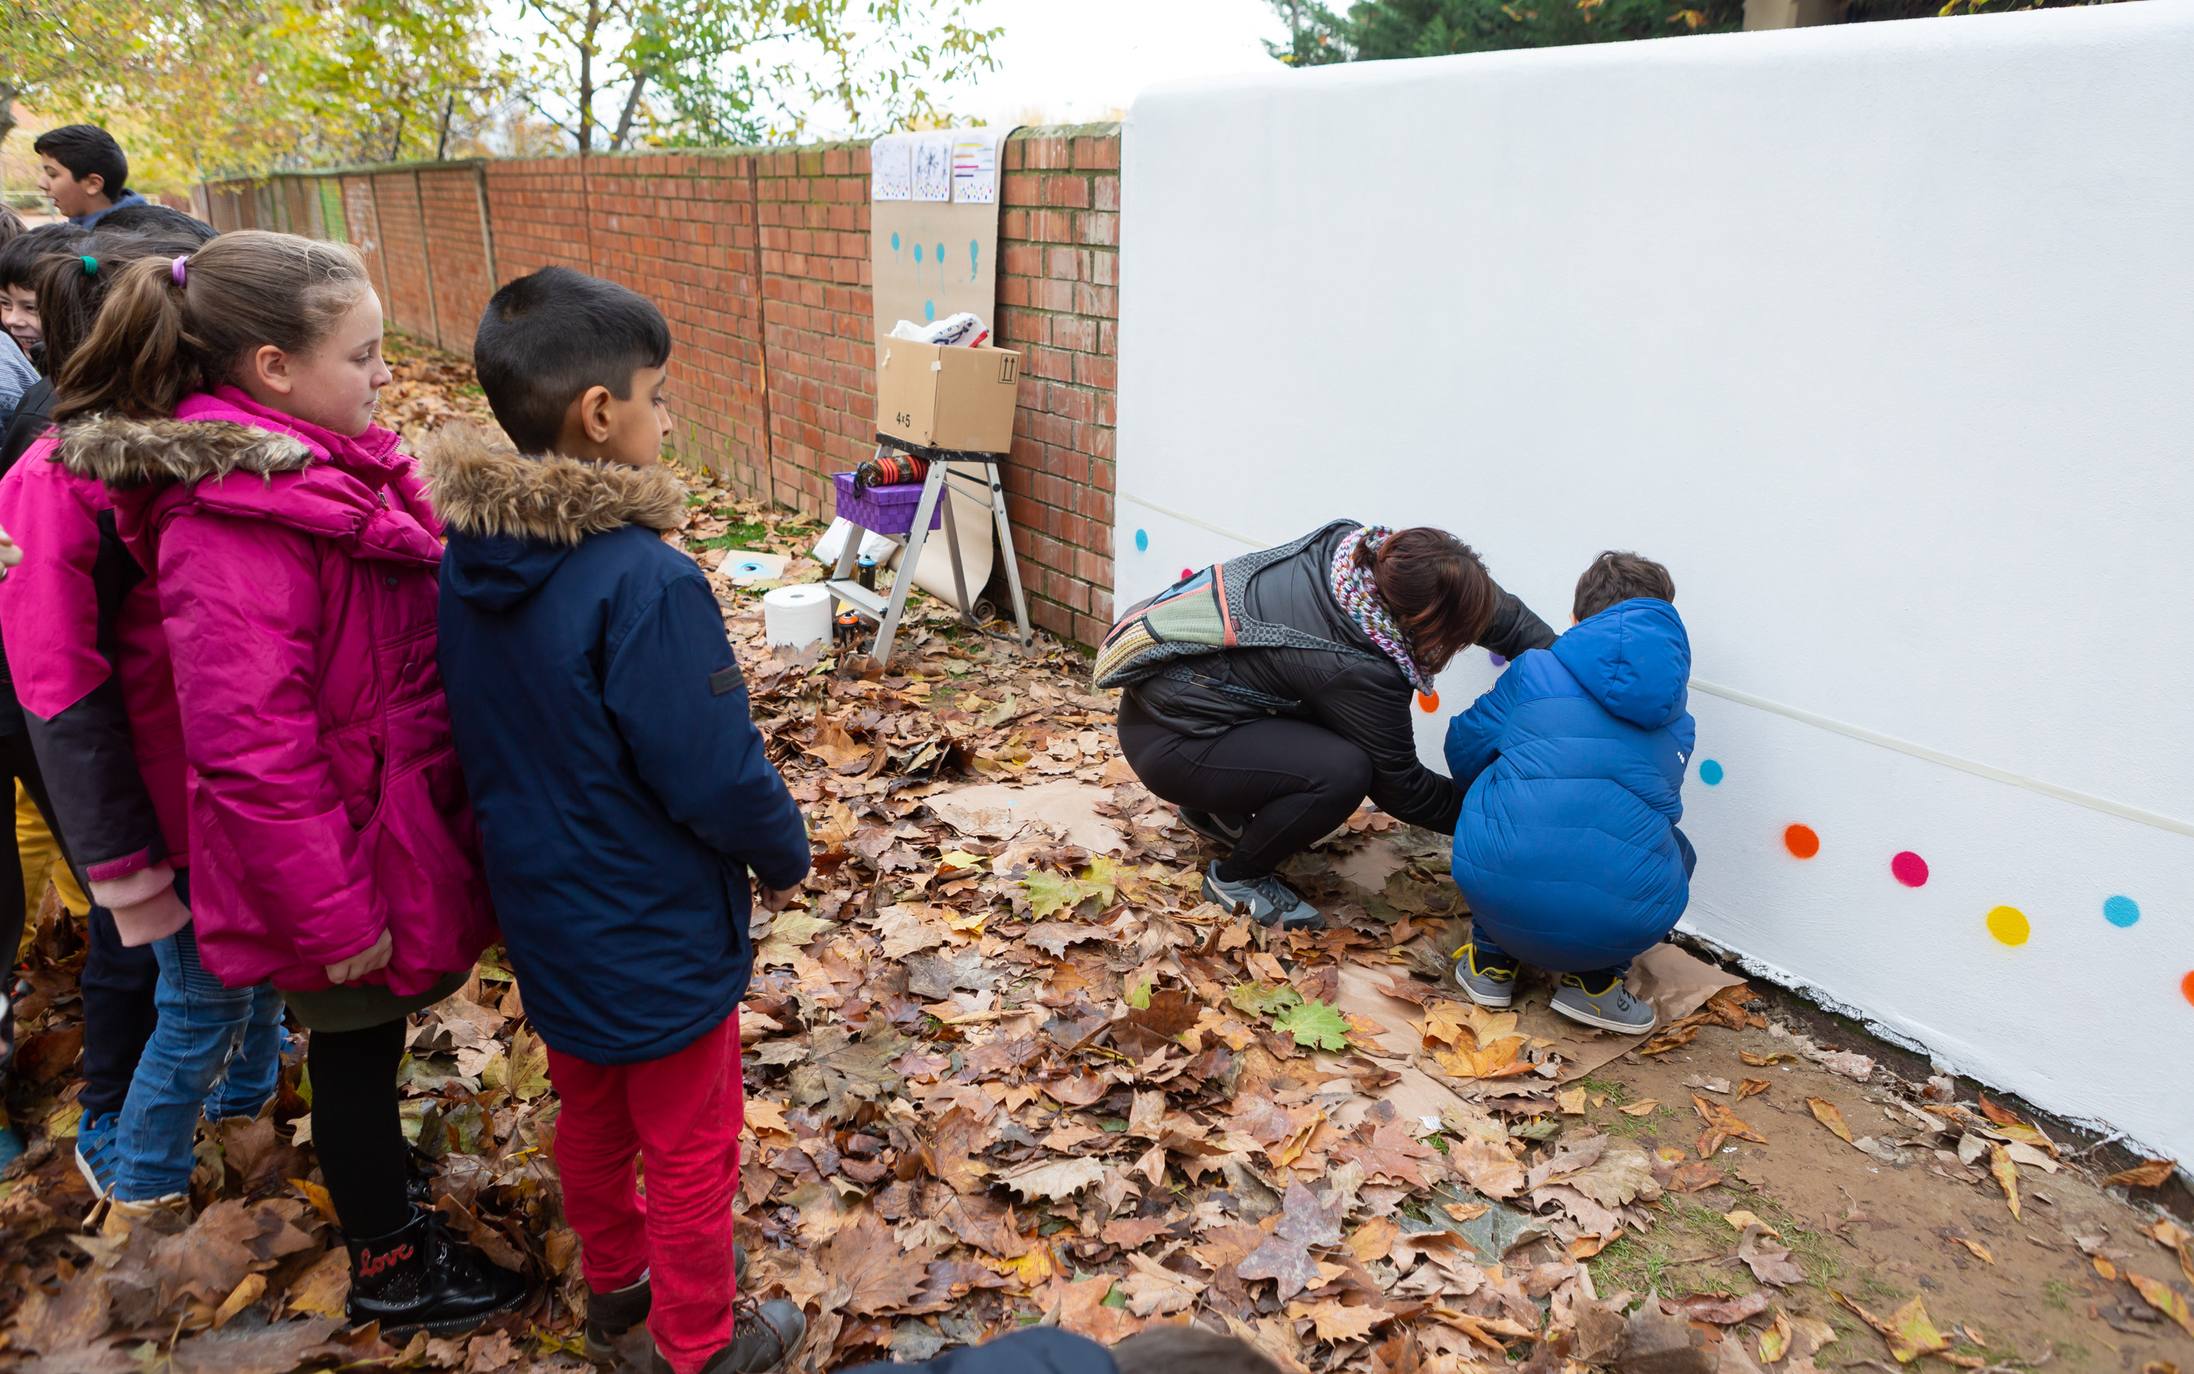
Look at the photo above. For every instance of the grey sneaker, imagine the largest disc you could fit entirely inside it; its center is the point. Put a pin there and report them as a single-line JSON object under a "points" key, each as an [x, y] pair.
{"points": [[1266, 900], [1611, 1008], [1226, 830], [1490, 982]]}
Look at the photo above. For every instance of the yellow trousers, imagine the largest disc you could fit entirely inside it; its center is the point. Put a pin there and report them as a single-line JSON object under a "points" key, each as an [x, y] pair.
{"points": [[42, 862]]}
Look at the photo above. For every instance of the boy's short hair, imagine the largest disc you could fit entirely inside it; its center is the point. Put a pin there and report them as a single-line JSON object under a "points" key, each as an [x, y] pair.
{"points": [[1620, 576], [20, 258], [546, 338], [1189, 1350], [84, 149], [155, 218]]}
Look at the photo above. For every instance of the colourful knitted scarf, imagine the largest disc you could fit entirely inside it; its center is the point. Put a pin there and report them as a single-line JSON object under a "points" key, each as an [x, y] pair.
{"points": [[1353, 587]]}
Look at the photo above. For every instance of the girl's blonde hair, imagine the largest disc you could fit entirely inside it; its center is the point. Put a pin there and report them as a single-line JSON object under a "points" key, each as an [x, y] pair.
{"points": [[158, 339]]}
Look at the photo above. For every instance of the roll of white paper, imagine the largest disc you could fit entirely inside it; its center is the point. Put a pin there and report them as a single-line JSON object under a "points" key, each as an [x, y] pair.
{"points": [[797, 616]]}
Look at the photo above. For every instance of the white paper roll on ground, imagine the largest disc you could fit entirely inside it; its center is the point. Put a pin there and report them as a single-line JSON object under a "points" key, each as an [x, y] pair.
{"points": [[797, 616]]}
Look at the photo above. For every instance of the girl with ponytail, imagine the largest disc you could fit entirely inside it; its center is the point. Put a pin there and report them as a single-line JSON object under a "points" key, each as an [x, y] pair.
{"points": [[225, 398]]}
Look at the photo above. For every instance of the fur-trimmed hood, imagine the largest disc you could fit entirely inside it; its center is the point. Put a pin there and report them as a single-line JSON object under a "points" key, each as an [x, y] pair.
{"points": [[125, 453], [514, 521], [483, 489]]}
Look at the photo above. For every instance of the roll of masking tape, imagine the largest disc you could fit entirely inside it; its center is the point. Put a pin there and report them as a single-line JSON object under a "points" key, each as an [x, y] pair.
{"points": [[796, 616]]}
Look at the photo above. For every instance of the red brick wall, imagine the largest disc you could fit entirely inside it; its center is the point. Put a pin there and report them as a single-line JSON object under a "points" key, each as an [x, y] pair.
{"points": [[457, 251], [409, 300], [760, 261]]}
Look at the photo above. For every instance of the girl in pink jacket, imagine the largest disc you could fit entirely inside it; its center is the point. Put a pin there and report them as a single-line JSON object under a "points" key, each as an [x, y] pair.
{"points": [[226, 398]]}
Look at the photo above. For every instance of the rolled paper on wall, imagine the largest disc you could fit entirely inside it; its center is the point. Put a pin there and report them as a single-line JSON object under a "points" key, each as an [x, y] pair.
{"points": [[796, 616]]}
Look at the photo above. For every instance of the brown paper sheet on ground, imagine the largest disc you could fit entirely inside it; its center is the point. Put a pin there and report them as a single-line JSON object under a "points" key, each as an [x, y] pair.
{"points": [[1676, 983], [1065, 809]]}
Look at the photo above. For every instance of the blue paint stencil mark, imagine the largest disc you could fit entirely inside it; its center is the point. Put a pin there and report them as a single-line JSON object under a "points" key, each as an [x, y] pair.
{"points": [[974, 259], [895, 241], [1710, 772], [917, 252], [929, 308], [2121, 911], [1498, 661], [1142, 541]]}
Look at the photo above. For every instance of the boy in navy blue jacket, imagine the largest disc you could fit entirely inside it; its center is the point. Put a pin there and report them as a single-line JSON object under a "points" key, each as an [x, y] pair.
{"points": [[624, 800], [1567, 848]]}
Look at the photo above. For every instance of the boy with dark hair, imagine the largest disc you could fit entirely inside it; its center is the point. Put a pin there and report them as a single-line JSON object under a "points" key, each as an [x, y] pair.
{"points": [[1173, 1349], [1567, 848], [150, 217], [626, 804], [20, 261], [84, 172]]}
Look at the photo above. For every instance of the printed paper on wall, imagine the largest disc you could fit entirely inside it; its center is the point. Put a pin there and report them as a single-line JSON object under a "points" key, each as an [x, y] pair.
{"points": [[974, 169], [891, 168], [933, 167]]}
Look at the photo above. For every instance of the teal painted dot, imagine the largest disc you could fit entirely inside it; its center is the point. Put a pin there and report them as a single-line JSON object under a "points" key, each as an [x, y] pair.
{"points": [[929, 308], [1142, 541], [895, 241], [1710, 772], [2121, 911], [917, 252]]}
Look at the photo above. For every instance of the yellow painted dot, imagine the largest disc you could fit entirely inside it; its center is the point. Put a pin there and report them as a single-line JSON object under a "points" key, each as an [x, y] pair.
{"points": [[2009, 924]]}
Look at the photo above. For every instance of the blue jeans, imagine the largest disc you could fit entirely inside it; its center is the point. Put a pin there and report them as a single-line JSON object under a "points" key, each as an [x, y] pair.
{"points": [[214, 1048]]}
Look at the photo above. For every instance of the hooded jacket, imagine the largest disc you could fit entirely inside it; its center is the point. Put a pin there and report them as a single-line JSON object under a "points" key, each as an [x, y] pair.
{"points": [[623, 790], [89, 663], [1364, 698], [1567, 848], [1038, 1350], [295, 569]]}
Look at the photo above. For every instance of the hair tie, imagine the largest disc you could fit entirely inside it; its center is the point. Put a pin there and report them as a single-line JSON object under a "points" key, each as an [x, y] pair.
{"points": [[178, 269], [91, 265]]}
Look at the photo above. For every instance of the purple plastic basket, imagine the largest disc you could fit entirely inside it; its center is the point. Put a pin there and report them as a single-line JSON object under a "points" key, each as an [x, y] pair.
{"points": [[884, 510]]}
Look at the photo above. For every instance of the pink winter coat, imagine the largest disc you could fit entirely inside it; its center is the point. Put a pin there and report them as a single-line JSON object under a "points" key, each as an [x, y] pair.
{"points": [[296, 570]]}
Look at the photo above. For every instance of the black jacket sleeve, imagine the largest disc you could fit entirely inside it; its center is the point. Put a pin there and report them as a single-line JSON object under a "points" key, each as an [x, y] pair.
{"points": [[1515, 630], [1368, 704]]}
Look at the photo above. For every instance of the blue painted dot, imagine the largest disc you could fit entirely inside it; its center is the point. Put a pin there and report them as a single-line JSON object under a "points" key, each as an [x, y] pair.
{"points": [[917, 252], [1710, 772], [2121, 911], [929, 308], [1498, 661], [940, 255], [1142, 541], [895, 241]]}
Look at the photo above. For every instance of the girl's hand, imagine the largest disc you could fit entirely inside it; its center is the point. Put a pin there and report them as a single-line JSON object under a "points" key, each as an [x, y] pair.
{"points": [[362, 963], [10, 555], [772, 899]]}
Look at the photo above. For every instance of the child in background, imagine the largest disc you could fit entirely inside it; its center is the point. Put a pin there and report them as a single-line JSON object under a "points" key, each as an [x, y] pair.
{"points": [[332, 852], [97, 704], [84, 172], [39, 855], [20, 260], [1567, 848], [624, 798]]}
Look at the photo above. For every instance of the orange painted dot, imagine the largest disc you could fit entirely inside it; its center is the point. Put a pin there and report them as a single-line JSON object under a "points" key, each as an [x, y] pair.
{"points": [[1801, 841], [2186, 986], [1428, 702]]}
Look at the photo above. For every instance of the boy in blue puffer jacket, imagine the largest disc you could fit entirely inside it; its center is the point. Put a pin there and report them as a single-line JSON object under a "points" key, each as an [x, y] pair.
{"points": [[1567, 848]]}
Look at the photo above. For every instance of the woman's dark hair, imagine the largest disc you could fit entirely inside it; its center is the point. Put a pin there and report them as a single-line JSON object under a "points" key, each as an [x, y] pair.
{"points": [[1437, 590], [1189, 1350], [85, 149], [21, 257], [158, 339], [69, 297], [11, 226]]}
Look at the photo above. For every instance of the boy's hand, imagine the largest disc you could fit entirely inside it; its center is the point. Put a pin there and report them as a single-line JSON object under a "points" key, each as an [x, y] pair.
{"points": [[362, 963], [771, 899]]}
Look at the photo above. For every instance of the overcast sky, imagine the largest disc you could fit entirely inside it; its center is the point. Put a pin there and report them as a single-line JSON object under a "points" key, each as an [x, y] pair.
{"points": [[1075, 60]]}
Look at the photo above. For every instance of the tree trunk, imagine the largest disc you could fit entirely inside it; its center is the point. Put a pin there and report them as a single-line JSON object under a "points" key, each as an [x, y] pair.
{"points": [[632, 106], [586, 76], [441, 142], [7, 113]]}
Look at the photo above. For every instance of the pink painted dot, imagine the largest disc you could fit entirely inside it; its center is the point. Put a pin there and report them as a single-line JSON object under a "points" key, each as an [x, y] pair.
{"points": [[1909, 869], [1187, 573]]}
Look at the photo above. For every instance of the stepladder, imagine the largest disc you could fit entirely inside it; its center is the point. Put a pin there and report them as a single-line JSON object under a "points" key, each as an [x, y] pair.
{"points": [[975, 474]]}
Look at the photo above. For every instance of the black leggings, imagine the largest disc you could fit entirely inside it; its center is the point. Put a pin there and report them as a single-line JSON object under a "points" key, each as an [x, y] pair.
{"points": [[1287, 782], [117, 982], [355, 1128]]}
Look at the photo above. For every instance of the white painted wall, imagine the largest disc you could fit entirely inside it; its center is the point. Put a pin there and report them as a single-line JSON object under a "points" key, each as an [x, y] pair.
{"points": [[1882, 336]]}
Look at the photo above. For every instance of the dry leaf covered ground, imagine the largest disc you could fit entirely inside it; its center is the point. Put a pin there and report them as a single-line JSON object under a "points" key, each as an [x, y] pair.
{"points": [[1005, 1066]]}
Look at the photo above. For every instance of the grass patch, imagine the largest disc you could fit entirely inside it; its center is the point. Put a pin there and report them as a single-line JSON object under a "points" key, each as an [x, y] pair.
{"points": [[1617, 1094], [1684, 1253], [2058, 1294], [737, 537]]}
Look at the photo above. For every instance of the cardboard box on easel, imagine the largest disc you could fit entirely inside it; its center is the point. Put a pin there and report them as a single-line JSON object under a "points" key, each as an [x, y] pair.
{"points": [[945, 396]]}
